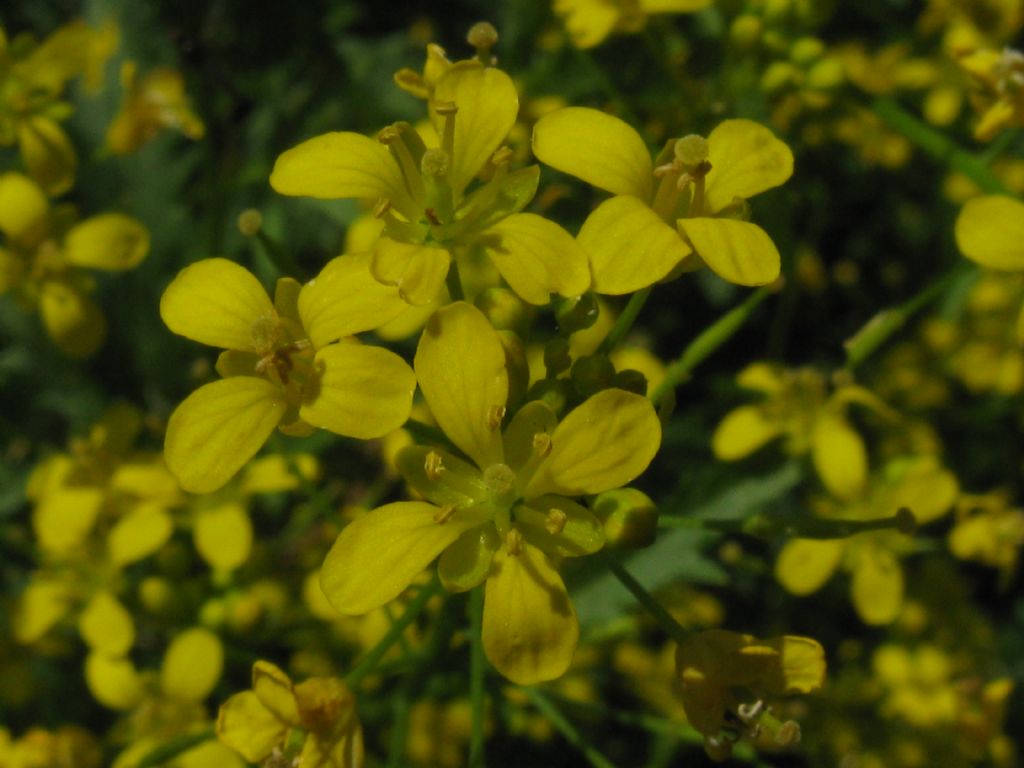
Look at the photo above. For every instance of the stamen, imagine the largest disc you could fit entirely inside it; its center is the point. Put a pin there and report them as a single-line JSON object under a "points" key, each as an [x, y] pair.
{"points": [[788, 734], [483, 36], [514, 543], [433, 466], [750, 712], [448, 110], [495, 414], [396, 138], [541, 444], [555, 522], [444, 514], [381, 208]]}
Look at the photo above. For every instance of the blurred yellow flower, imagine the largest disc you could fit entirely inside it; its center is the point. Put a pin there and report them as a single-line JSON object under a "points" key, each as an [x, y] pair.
{"points": [[45, 255], [256, 724], [150, 104]]}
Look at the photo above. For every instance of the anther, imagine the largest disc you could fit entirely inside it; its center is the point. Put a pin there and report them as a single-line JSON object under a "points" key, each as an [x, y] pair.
{"points": [[433, 466], [482, 35], [432, 216], [514, 543], [750, 712], [541, 444], [445, 108], [444, 514], [495, 414], [788, 734], [501, 156], [381, 209], [555, 521]]}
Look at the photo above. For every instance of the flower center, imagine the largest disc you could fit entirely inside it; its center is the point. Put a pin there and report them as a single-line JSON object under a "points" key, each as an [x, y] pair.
{"points": [[687, 168]]}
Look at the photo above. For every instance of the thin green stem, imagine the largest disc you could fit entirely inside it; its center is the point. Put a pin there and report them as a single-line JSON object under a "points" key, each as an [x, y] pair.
{"points": [[624, 322], [454, 282], [567, 729], [370, 661], [171, 749], [939, 146], [477, 670], [282, 260], [401, 704], [880, 328], [709, 340], [671, 627]]}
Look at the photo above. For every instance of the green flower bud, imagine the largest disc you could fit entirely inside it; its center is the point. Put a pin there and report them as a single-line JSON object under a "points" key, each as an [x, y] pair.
{"points": [[629, 516], [632, 381], [556, 357], [806, 50], [577, 313], [592, 374], [745, 31]]}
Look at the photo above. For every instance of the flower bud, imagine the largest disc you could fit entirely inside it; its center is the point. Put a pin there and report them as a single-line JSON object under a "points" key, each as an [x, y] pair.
{"points": [[591, 374], [629, 517], [577, 313], [505, 310]]}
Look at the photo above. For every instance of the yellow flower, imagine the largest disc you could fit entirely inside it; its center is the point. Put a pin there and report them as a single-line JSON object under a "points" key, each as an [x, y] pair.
{"points": [[281, 366], [431, 208], [989, 530], [589, 22], [725, 678], [32, 78], [507, 514], [796, 408], [919, 484], [150, 104], [44, 256], [989, 232], [918, 683], [685, 209], [999, 94], [256, 724]]}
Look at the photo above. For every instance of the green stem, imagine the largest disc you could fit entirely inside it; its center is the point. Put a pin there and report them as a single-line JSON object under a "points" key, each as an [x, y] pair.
{"points": [[400, 724], [477, 670], [454, 282], [882, 326], [171, 749], [710, 339], [282, 260], [671, 627], [567, 729], [373, 657], [769, 527], [939, 146], [624, 321]]}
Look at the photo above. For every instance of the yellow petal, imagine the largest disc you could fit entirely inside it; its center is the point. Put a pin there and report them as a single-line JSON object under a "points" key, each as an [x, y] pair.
{"points": [[487, 104], [601, 444], [192, 665], [529, 626], [223, 536], [345, 299], [106, 626], [629, 246], [379, 555], [72, 320], [216, 302], [109, 241], [113, 681], [737, 251], [218, 428], [417, 271], [139, 533], [746, 159], [48, 154], [24, 209], [145, 479], [877, 588], [274, 474], [673, 6], [596, 147], [340, 165], [248, 727], [43, 603], [800, 667], [537, 258], [460, 365], [804, 565], [990, 231], [64, 518], [743, 431], [588, 22], [275, 691], [839, 456], [364, 392], [209, 754]]}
